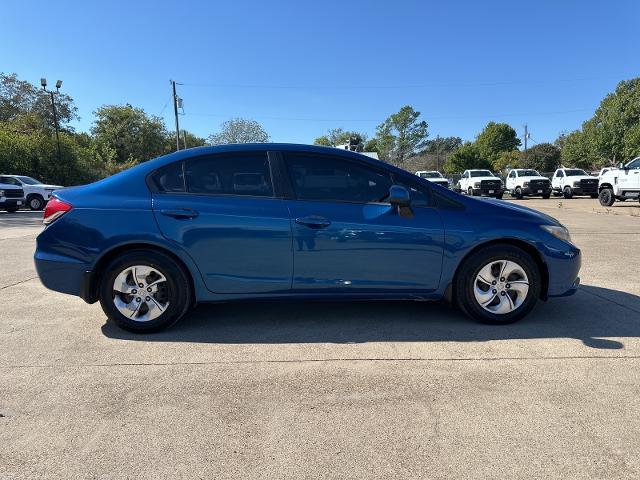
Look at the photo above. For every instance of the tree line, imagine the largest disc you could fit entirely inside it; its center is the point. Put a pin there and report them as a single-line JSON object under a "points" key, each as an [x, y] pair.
{"points": [[123, 135]]}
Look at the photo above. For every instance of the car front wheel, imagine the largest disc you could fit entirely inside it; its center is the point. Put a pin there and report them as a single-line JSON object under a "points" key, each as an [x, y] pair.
{"points": [[499, 284], [145, 291], [606, 197], [567, 193]]}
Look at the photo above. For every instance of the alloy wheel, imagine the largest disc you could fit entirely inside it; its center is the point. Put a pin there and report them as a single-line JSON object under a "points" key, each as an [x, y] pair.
{"points": [[140, 293], [500, 287]]}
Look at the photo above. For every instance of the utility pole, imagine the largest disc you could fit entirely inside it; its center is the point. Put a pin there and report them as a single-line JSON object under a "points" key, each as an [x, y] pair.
{"points": [[43, 82], [526, 137], [438, 153], [175, 111]]}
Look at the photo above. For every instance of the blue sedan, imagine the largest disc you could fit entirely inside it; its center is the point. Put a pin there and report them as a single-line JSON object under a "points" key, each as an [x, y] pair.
{"points": [[296, 222]]}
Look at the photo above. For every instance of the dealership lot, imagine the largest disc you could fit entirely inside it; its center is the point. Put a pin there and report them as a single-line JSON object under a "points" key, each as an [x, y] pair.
{"points": [[317, 390]]}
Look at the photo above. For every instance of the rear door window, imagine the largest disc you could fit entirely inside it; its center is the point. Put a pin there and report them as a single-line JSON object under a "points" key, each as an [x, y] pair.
{"points": [[246, 174], [168, 179]]}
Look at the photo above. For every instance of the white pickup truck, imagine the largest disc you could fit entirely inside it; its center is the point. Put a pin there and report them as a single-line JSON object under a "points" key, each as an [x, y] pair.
{"points": [[37, 194], [620, 183], [524, 182], [433, 176], [481, 182], [574, 181], [11, 197]]}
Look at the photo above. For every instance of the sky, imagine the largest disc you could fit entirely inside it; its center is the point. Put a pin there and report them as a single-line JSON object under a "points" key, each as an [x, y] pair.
{"points": [[303, 67]]}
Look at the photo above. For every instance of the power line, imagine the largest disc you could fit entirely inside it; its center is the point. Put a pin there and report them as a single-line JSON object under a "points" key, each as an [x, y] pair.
{"points": [[404, 86], [440, 117]]}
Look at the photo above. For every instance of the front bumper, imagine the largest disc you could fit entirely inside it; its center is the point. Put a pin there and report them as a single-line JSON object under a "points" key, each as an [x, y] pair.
{"points": [[490, 192], [11, 202], [532, 192], [564, 267]]}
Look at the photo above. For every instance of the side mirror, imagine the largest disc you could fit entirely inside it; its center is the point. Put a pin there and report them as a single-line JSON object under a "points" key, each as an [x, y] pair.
{"points": [[399, 196], [621, 166]]}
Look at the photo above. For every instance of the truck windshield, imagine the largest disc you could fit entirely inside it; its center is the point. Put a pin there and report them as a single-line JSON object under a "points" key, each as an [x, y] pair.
{"points": [[29, 180], [430, 175], [481, 173], [528, 173], [575, 172]]}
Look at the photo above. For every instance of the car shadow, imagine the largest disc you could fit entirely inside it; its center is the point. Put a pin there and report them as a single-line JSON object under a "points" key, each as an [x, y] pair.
{"points": [[590, 315]]}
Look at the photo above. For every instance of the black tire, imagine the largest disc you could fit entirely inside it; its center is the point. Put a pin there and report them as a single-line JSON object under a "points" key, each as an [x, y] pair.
{"points": [[35, 202], [466, 278], [178, 290], [518, 193], [567, 193], [606, 197], [499, 196], [546, 196], [470, 192]]}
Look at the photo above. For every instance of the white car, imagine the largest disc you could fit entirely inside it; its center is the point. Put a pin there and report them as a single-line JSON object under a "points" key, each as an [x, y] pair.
{"points": [[481, 182], [523, 182], [574, 181], [433, 176], [37, 194], [620, 183]]}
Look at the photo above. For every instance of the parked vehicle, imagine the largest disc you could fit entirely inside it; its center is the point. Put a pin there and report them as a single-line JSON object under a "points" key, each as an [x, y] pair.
{"points": [[574, 181], [524, 182], [433, 176], [481, 182], [620, 183], [37, 194], [151, 241], [11, 197], [603, 171]]}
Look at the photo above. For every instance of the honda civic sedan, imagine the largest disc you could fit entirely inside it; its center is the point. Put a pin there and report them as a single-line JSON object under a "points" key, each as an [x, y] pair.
{"points": [[295, 222]]}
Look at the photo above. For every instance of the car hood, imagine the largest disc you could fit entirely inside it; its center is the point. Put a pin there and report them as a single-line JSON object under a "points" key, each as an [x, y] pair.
{"points": [[5, 186], [499, 207], [478, 179], [44, 185], [534, 178], [581, 177], [442, 180]]}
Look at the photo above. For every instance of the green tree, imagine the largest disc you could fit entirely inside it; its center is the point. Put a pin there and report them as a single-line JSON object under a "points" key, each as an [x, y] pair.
{"points": [[442, 145], [575, 150], [465, 157], [496, 138], [131, 133], [337, 136], [18, 98], [507, 160], [239, 130], [544, 157], [187, 140], [401, 135]]}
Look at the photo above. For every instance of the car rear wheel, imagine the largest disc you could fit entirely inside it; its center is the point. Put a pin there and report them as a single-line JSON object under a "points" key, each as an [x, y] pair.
{"points": [[145, 291], [567, 193], [499, 284], [606, 197], [546, 196], [35, 202]]}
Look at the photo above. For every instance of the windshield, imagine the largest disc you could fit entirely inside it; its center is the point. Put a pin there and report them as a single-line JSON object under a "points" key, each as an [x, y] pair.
{"points": [[528, 173], [28, 180], [430, 175], [481, 173], [575, 172]]}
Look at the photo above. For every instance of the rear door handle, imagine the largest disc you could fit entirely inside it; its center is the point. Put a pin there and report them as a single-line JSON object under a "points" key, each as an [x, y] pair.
{"points": [[180, 213], [314, 221]]}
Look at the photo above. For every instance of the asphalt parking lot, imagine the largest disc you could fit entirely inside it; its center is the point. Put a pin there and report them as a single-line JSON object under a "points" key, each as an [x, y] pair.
{"points": [[329, 390]]}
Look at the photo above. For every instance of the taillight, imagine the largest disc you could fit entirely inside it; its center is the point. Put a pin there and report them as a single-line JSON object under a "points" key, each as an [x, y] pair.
{"points": [[54, 210]]}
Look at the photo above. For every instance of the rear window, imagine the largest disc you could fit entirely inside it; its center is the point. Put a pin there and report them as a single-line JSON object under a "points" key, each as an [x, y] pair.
{"points": [[245, 174], [168, 178]]}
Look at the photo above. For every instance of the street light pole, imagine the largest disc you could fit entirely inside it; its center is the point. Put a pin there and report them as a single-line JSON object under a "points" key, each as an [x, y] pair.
{"points": [[43, 82], [175, 111]]}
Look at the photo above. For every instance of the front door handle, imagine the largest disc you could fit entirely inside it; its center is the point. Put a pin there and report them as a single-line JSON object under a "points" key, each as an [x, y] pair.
{"points": [[180, 213], [314, 221]]}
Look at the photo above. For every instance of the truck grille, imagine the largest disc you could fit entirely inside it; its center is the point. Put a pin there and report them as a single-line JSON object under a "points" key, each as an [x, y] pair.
{"points": [[539, 184], [490, 185], [589, 185], [13, 193]]}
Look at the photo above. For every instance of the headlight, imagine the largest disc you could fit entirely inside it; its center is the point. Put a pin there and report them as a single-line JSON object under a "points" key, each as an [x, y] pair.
{"points": [[1, 193], [576, 184], [476, 185], [525, 184], [558, 231]]}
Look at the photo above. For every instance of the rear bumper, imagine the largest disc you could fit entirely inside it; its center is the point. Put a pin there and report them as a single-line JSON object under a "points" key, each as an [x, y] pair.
{"points": [[61, 274]]}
